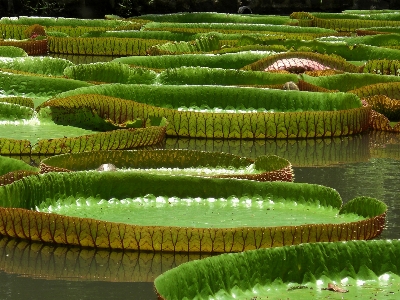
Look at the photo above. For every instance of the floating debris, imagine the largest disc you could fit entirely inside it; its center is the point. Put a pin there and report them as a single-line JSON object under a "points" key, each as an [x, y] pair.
{"points": [[334, 288]]}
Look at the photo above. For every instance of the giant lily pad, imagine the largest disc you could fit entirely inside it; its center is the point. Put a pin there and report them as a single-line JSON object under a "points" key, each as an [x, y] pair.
{"points": [[361, 269], [40, 65], [130, 210], [14, 169], [226, 112], [23, 132], [229, 60], [346, 82], [30, 46], [10, 165], [11, 51], [198, 163]]}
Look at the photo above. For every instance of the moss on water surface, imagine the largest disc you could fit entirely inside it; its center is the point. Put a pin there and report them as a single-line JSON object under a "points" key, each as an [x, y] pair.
{"points": [[198, 212]]}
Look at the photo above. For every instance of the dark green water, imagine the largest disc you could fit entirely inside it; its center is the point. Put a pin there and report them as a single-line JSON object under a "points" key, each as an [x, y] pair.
{"points": [[367, 165]]}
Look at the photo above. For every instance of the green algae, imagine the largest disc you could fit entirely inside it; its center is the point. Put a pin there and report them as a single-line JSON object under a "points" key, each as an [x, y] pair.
{"points": [[198, 212]]}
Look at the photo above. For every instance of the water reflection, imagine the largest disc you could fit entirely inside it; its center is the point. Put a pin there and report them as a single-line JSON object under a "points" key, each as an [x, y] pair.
{"points": [[14, 287], [367, 165], [377, 178], [37, 260], [305, 152]]}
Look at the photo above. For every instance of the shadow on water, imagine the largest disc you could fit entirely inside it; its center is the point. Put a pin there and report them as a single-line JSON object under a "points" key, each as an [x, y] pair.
{"points": [[367, 165]]}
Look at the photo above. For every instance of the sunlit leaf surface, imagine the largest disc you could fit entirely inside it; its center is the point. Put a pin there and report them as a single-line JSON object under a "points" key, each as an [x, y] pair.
{"points": [[359, 269], [18, 220]]}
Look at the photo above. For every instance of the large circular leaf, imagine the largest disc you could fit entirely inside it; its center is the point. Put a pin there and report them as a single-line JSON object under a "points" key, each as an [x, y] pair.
{"points": [[130, 210], [361, 269], [189, 162]]}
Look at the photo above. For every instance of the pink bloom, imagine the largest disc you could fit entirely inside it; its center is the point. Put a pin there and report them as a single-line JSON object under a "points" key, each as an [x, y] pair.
{"points": [[296, 65]]}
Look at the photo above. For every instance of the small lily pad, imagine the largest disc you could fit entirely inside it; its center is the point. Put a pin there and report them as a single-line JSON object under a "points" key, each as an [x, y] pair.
{"points": [[176, 162]]}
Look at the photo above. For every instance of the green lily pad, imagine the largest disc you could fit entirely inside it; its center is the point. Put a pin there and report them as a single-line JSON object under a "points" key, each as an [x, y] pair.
{"points": [[131, 210], [110, 72], [212, 17], [58, 143], [23, 131], [39, 65], [346, 82], [233, 60], [350, 270], [14, 169], [12, 51], [10, 164], [23, 101], [10, 111], [36, 131], [170, 162], [239, 113], [197, 212], [38, 87]]}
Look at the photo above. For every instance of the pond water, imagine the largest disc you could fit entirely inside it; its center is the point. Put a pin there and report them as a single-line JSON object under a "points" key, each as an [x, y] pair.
{"points": [[367, 165]]}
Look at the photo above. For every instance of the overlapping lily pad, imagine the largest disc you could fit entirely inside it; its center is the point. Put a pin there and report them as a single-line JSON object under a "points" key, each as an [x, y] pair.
{"points": [[227, 61], [228, 112], [351, 270], [182, 213], [14, 169], [24, 133], [170, 162], [11, 51], [31, 47]]}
